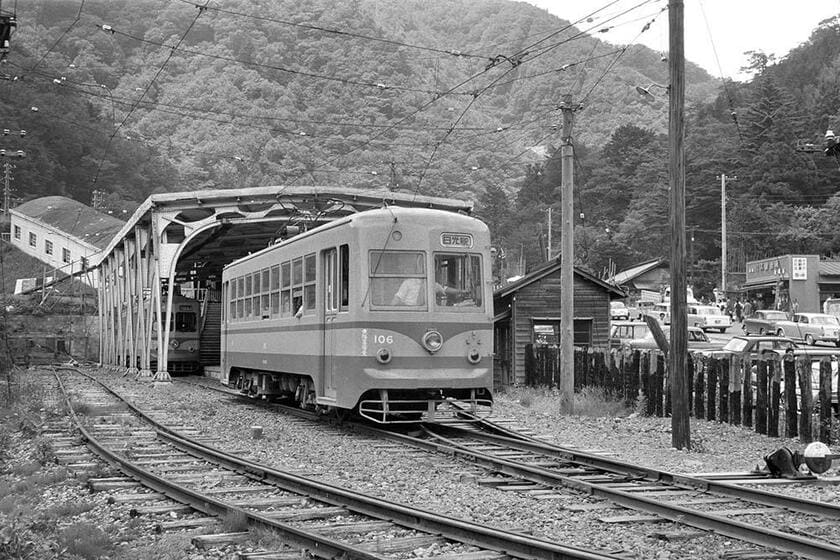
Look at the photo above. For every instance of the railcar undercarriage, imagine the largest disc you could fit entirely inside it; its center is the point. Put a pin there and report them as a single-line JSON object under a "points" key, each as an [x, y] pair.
{"points": [[383, 406], [275, 386], [423, 405]]}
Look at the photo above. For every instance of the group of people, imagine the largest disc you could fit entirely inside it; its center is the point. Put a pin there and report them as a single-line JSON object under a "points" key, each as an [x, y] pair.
{"points": [[738, 309]]}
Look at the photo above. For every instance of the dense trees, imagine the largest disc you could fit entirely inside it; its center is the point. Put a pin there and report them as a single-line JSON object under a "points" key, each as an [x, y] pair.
{"points": [[442, 97]]}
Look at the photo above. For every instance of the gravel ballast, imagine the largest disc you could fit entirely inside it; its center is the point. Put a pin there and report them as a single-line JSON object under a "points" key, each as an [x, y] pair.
{"points": [[441, 484]]}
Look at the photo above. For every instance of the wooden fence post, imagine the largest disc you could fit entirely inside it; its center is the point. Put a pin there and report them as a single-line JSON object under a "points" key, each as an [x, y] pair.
{"points": [[747, 390], [700, 388], [636, 376], [734, 391], [825, 401], [530, 365], [789, 365], [723, 382], [774, 378], [660, 379], [761, 396], [644, 381], [803, 375], [692, 362], [711, 388]]}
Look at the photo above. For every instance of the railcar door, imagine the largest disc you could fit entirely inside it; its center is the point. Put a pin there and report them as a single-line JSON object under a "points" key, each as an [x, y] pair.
{"points": [[331, 306]]}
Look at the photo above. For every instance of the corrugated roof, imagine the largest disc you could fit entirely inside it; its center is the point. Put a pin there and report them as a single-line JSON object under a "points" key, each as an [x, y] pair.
{"points": [[626, 275], [829, 268], [73, 218]]}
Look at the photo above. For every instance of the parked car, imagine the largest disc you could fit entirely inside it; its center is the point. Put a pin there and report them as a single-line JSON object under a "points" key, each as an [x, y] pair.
{"points": [[622, 331], [811, 327], [708, 317], [619, 311], [763, 321], [697, 341], [754, 346]]}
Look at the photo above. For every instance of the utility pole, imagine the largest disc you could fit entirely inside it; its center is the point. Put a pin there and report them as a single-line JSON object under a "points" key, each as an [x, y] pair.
{"points": [[549, 233], [7, 170], [723, 179], [567, 259], [7, 186], [678, 355]]}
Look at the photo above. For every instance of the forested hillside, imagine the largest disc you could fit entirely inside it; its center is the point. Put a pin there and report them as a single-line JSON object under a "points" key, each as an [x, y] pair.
{"points": [[446, 97]]}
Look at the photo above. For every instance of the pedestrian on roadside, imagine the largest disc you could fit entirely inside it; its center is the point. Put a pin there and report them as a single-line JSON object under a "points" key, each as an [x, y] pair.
{"points": [[748, 309], [738, 309]]}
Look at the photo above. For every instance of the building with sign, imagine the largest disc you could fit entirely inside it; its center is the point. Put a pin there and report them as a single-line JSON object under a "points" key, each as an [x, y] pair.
{"points": [[792, 282]]}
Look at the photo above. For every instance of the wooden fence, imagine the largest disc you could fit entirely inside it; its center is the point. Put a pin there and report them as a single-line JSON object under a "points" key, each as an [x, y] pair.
{"points": [[728, 389]]}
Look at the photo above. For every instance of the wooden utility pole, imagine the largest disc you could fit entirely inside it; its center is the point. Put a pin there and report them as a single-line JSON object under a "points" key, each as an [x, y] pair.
{"points": [[678, 357], [723, 178], [567, 260]]}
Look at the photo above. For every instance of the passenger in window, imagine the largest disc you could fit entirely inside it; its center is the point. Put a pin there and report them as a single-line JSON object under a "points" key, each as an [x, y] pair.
{"points": [[410, 293]]}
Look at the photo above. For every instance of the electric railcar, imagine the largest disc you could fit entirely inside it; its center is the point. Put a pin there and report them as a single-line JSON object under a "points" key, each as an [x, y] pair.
{"points": [[386, 312], [184, 335]]}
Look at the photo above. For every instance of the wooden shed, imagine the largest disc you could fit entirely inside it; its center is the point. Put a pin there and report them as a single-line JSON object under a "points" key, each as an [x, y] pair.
{"points": [[527, 311]]}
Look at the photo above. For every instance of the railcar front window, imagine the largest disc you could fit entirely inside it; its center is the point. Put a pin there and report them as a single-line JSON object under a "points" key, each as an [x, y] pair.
{"points": [[458, 280], [398, 279], [185, 322]]}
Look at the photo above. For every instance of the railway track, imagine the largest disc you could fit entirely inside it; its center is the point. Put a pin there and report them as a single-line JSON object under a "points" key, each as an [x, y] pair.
{"points": [[324, 520], [778, 522], [520, 462]]}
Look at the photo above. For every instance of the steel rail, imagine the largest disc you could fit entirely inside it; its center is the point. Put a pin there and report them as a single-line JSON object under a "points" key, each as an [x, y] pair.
{"points": [[513, 544], [699, 520], [320, 546], [763, 497], [760, 536]]}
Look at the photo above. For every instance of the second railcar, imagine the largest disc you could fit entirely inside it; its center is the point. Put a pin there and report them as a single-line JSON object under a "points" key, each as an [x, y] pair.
{"points": [[387, 312], [184, 337]]}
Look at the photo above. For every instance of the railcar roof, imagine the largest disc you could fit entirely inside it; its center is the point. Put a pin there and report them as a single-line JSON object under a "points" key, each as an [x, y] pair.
{"points": [[377, 213]]}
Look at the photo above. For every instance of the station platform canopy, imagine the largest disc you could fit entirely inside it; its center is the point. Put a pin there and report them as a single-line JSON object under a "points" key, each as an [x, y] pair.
{"points": [[219, 226]]}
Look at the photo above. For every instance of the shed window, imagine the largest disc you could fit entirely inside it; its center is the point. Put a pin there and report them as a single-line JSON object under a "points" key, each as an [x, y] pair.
{"points": [[33, 240], [48, 246], [547, 332]]}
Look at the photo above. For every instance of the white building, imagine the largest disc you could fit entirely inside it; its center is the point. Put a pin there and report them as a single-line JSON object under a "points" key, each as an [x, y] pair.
{"points": [[62, 233]]}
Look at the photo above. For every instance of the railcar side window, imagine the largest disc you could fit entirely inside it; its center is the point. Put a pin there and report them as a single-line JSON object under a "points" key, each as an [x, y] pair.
{"points": [[345, 276], [265, 303], [286, 294], [309, 288], [458, 280], [398, 279], [274, 285]]}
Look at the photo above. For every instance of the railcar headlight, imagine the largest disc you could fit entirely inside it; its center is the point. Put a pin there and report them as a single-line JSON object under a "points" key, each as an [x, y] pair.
{"points": [[174, 343], [383, 355], [432, 341], [474, 357]]}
